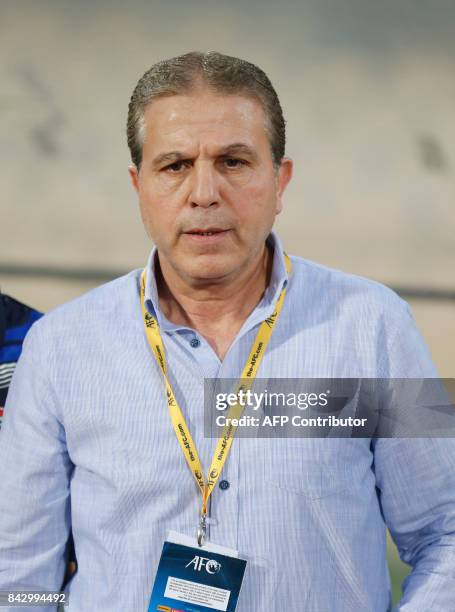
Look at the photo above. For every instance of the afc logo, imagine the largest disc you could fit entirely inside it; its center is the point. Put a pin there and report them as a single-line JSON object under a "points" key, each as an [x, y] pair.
{"points": [[170, 399], [199, 476], [149, 321], [210, 565]]}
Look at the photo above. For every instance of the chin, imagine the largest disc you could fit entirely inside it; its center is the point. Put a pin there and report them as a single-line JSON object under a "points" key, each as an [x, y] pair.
{"points": [[210, 265], [209, 272]]}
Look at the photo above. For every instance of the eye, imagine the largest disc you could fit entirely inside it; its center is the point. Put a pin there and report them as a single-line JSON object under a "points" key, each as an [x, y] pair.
{"points": [[176, 166], [233, 162]]}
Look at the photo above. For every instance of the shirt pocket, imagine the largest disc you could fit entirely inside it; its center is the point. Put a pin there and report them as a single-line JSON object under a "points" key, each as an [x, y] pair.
{"points": [[314, 468]]}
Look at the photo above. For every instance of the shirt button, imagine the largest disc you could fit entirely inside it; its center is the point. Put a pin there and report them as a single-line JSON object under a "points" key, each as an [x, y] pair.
{"points": [[195, 342], [224, 484]]}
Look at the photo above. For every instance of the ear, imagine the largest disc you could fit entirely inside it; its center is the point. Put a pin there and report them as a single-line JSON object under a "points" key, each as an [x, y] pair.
{"points": [[283, 177], [134, 175]]}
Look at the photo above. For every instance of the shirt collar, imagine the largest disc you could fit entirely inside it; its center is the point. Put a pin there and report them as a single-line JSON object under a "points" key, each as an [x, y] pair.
{"points": [[278, 279]]}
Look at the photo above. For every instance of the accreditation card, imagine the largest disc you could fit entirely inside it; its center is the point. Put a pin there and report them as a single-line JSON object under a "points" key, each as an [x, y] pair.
{"points": [[196, 579]]}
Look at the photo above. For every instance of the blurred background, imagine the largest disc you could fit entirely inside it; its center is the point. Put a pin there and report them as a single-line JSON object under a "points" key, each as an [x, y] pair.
{"points": [[368, 91]]}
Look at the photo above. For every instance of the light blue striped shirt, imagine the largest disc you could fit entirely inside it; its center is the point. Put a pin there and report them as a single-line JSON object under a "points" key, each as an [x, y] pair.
{"points": [[87, 443]]}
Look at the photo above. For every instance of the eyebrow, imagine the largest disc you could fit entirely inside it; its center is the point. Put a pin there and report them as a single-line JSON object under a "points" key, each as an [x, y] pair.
{"points": [[238, 148]]}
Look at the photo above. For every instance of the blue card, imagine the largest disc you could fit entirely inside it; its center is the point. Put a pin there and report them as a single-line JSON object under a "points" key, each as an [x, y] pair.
{"points": [[194, 580]]}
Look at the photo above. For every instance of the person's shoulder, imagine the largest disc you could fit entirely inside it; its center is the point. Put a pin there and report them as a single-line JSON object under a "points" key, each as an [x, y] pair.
{"points": [[118, 298], [323, 283]]}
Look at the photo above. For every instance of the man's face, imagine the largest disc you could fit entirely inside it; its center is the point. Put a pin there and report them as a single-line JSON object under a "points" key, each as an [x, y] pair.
{"points": [[207, 187]]}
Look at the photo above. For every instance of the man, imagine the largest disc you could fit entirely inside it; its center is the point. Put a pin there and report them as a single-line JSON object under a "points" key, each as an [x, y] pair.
{"points": [[206, 134]]}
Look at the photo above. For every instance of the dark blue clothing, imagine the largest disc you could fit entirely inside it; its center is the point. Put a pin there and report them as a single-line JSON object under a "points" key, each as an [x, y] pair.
{"points": [[15, 321]]}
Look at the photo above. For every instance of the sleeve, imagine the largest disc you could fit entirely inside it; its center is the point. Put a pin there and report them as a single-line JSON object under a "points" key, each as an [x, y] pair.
{"points": [[34, 484], [415, 478]]}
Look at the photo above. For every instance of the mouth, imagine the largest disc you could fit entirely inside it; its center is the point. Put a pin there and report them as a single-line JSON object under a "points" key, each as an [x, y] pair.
{"points": [[206, 235], [210, 231]]}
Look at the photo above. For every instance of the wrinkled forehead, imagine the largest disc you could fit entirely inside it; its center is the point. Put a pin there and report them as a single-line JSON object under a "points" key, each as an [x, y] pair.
{"points": [[204, 115]]}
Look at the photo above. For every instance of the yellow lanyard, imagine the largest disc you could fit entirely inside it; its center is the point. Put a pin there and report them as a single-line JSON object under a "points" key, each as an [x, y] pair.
{"points": [[178, 421]]}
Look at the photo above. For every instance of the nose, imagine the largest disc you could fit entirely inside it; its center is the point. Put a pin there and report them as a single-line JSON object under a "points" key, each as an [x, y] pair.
{"points": [[204, 186]]}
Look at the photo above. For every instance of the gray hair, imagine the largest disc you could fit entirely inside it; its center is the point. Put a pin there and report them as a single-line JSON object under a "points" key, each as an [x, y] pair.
{"points": [[222, 74]]}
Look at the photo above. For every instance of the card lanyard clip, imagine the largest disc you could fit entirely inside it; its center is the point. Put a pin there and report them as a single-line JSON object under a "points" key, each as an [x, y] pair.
{"points": [[202, 529]]}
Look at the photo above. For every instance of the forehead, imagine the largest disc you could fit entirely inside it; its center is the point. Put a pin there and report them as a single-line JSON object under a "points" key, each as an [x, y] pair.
{"points": [[204, 118]]}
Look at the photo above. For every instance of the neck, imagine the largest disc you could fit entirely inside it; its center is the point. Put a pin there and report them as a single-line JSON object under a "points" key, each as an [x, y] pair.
{"points": [[216, 310]]}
